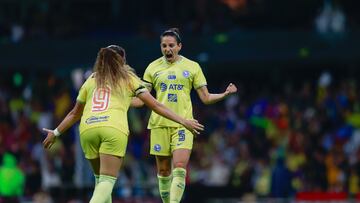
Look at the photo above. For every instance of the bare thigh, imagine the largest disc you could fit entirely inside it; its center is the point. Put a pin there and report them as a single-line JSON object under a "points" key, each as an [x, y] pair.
{"points": [[181, 158], [106, 165], [95, 165]]}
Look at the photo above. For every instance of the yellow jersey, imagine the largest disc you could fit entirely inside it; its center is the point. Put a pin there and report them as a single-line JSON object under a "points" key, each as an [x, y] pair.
{"points": [[106, 108], [173, 83]]}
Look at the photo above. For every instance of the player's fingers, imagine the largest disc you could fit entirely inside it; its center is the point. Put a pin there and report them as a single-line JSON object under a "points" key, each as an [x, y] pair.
{"points": [[48, 144], [196, 132], [45, 144], [200, 127], [47, 130], [194, 120], [197, 125]]}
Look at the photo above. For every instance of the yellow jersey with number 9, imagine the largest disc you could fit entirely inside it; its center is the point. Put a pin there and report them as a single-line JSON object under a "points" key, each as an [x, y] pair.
{"points": [[106, 108], [173, 83]]}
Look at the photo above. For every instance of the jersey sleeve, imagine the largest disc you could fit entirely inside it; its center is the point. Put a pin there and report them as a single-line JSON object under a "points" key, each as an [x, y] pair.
{"points": [[199, 78], [83, 90], [138, 85], [82, 94], [147, 78]]}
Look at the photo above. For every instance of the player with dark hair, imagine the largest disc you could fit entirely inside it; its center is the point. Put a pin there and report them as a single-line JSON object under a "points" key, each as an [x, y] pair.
{"points": [[173, 76], [102, 105]]}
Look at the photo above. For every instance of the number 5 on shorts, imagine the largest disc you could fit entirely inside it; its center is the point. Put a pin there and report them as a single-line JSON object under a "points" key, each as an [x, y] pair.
{"points": [[101, 99]]}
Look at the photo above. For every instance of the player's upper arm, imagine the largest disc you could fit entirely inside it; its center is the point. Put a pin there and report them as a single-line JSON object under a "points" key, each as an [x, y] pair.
{"points": [[138, 86], [83, 90], [78, 109], [148, 85], [199, 79], [136, 102], [148, 99], [82, 95]]}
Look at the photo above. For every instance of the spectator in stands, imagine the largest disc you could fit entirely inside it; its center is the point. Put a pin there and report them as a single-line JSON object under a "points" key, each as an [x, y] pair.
{"points": [[12, 179]]}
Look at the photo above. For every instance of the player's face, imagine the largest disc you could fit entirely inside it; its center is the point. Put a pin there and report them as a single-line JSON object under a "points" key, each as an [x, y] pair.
{"points": [[170, 48]]}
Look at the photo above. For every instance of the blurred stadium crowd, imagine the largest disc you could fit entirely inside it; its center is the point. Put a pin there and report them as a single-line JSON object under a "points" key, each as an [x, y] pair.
{"points": [[270, 142], [273, 139], [42, 19]]}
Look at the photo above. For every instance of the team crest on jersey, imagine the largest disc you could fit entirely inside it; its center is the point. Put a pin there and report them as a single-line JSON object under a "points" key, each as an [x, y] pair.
{"points": [[157, 148], [163, 87], [186, 73]]}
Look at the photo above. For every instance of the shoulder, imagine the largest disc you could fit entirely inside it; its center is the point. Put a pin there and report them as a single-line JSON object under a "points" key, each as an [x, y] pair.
{"points": [[193, 65], [90, 78], [133, 76], [155, 64]]}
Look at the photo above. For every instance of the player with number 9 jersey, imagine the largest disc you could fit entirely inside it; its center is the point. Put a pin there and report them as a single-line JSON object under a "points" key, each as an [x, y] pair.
{"points": [[104, 107]]}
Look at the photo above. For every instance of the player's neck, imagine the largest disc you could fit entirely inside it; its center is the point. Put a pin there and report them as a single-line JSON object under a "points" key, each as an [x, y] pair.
{"points": [[177, 59]]}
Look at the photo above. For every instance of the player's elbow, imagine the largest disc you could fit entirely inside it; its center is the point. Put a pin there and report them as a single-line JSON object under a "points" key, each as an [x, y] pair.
{"points": [[205, 98], [75, 115], [207, 102], [137, 105]]}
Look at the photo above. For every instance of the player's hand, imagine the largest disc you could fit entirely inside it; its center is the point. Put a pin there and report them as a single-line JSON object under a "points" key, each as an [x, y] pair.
{"points": [[231, 89], [50, 138], [194, 126]]}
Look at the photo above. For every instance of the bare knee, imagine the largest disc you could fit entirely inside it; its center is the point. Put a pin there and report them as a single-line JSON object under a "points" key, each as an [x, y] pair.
{"points": [[164, 172], [180, 164], [163, 164]]}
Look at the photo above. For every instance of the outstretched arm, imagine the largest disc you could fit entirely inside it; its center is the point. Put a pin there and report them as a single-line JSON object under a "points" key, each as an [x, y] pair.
{"points": [[72, 117], [192, 125], [208, 98]]}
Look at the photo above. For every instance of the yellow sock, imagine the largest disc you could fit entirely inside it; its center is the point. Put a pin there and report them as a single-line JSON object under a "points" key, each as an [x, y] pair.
{"points": [[177, 185], [96, 179], [103, 189], [96, 183], [164, 188]]}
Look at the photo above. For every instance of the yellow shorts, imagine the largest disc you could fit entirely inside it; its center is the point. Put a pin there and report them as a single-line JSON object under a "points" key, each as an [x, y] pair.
{"points": [[163, 141], [104, 140]]}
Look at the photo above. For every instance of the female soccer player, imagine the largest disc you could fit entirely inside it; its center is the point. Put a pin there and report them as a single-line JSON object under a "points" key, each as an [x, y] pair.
{"points": [[102, 105], [173, 76]]}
